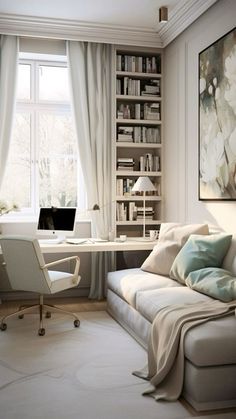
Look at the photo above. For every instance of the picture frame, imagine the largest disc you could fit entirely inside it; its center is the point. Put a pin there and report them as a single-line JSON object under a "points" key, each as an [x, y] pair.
{"points": [[217, 120]]}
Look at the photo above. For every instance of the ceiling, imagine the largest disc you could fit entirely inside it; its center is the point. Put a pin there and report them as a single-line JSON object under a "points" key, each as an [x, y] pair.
{"points": [[123, 21]]}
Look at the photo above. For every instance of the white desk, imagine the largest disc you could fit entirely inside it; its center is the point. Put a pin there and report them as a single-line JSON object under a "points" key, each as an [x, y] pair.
{"points": [[132, 244]]}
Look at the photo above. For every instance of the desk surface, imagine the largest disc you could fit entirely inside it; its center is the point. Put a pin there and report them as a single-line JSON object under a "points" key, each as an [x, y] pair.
{"points": [[132, 244]]}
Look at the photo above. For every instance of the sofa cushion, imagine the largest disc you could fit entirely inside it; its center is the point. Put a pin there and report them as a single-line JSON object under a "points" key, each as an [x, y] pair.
{"points": [[148, 303], [215, 282], [200, 252], [126, 283], [212, 343], [171, 239]]}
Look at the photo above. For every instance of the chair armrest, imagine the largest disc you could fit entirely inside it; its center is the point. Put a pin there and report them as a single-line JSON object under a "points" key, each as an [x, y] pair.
{"points": [[57, 262]]}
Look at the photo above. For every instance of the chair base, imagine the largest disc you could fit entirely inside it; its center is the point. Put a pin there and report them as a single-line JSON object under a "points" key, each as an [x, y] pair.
{"points": [[42, 308]]}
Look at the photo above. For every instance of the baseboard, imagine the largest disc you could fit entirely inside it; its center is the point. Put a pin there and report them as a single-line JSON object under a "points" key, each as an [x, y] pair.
{"points": [[23, 295]]}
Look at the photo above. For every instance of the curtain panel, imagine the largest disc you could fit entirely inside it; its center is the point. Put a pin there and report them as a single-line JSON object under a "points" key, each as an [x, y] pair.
{"points": [[90, 75], [9, 50]]}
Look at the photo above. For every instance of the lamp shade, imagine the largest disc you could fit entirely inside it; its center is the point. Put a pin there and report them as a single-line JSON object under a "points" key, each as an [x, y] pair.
{"points": [[143, 184]]}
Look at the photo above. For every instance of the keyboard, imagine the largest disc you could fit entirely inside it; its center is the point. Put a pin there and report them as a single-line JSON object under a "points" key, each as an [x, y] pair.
{"points": [[76, 241], [51, 241], [81, 241]]}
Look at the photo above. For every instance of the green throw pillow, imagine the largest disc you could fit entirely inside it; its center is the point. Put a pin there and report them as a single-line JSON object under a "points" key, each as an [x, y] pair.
{"points": [[200, 252], [215, 282]]}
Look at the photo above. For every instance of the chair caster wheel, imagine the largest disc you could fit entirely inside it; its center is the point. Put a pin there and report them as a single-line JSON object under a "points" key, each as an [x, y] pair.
{"points": [[48, 315], [77, 323], [41, 332], [3, 327], [21, 316]]}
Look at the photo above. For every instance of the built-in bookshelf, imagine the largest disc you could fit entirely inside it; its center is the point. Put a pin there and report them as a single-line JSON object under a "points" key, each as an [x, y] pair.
{"points": [[138, 138]]}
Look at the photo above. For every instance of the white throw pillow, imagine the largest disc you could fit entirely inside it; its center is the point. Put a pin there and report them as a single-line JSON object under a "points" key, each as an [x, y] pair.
{"points": [[172, 237]]}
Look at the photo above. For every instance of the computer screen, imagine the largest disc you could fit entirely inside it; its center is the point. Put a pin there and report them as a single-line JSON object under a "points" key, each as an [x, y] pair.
{"points": [[56, 221]]}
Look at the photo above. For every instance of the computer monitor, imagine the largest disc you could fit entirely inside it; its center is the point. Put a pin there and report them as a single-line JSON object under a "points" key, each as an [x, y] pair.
{"points": [[56, 222]]}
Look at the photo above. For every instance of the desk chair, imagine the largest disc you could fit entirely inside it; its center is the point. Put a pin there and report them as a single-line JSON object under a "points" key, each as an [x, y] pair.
{"points": [[27, 271]]}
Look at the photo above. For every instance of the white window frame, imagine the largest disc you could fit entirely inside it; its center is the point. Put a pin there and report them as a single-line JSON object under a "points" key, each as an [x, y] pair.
{"points": [[33, 106]]}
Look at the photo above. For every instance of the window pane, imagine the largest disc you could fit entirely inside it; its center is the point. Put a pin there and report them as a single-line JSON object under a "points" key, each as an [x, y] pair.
{"points": [[23, 87], [53, 83], [57, 161], [16, 183]]}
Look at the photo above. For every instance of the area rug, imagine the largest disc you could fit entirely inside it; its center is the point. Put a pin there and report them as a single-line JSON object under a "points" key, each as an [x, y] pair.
{"points": [[70, 373]]}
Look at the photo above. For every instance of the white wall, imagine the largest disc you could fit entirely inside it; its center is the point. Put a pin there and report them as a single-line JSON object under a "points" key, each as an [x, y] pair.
{"points": [[181, 121]]}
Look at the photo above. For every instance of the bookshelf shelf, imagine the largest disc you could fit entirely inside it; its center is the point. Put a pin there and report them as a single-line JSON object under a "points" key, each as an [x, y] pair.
{"points": [[138, 222], [137, 121], [138, 198], [137, 137], [138, 145], [139, 98], [137, 173], [138, 75]]}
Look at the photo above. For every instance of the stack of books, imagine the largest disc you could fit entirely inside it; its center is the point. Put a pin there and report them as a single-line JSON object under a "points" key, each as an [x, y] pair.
{"points": [[124, 187], [146, 135], [149, 163], [149, 213], [140, 64], [151, 88], [121, 211], [132, 211], [138, 111], [152, 111], [125, 134], [125, 163]]}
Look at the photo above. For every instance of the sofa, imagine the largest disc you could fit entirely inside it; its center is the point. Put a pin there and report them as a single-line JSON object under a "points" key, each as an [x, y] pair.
{"points": [[136, 295]]}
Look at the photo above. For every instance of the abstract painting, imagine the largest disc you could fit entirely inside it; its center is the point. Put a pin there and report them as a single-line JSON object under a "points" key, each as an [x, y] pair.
{"points": [[217, 119]]}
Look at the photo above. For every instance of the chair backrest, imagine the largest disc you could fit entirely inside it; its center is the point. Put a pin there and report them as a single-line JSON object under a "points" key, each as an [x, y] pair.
{"points": [[24, 259]]}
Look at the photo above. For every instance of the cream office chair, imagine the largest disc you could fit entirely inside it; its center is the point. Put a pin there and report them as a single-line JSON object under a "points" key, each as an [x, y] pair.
{"points": [[27, 271]]}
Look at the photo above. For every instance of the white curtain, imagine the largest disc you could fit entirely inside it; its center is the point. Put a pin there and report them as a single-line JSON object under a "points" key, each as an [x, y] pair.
{"points": [[9, 47], [90, 73]]}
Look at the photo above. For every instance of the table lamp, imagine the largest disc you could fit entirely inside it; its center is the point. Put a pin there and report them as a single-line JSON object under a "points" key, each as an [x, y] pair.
{"points": [[143, 184]]}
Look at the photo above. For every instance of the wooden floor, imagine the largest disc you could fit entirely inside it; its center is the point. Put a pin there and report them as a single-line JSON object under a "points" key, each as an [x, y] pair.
{"points": [[74, 304]]}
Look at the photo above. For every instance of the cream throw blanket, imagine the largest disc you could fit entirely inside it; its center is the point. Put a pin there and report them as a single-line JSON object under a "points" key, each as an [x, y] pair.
{"points": [[165, 369]]}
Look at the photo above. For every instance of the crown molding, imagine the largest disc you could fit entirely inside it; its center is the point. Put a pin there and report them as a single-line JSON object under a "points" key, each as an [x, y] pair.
{"points": [[182, 16], [77, 30]]}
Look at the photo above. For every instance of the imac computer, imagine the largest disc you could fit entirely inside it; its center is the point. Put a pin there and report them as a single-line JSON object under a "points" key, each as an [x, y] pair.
{"points": [[57, 223]]}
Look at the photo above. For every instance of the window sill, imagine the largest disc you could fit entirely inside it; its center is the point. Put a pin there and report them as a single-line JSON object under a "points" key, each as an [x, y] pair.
{"points": [[31, 219]]}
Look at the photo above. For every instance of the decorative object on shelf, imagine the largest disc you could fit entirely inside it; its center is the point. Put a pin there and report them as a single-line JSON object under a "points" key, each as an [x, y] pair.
{"points": [[143, 184], [217, 120], [153, 234], [123, 237]]}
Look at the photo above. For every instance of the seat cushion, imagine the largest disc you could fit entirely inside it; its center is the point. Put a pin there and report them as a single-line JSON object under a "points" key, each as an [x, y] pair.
{"points": [[148, 303], [212, 343], [62, 280], [126, 283]]}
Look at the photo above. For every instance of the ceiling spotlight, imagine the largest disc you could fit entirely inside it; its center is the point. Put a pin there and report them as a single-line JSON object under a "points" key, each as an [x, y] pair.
{"points": [[163, 14]]}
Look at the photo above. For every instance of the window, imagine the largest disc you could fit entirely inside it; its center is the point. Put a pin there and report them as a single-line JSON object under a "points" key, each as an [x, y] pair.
{"points": [[43, 167]]}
